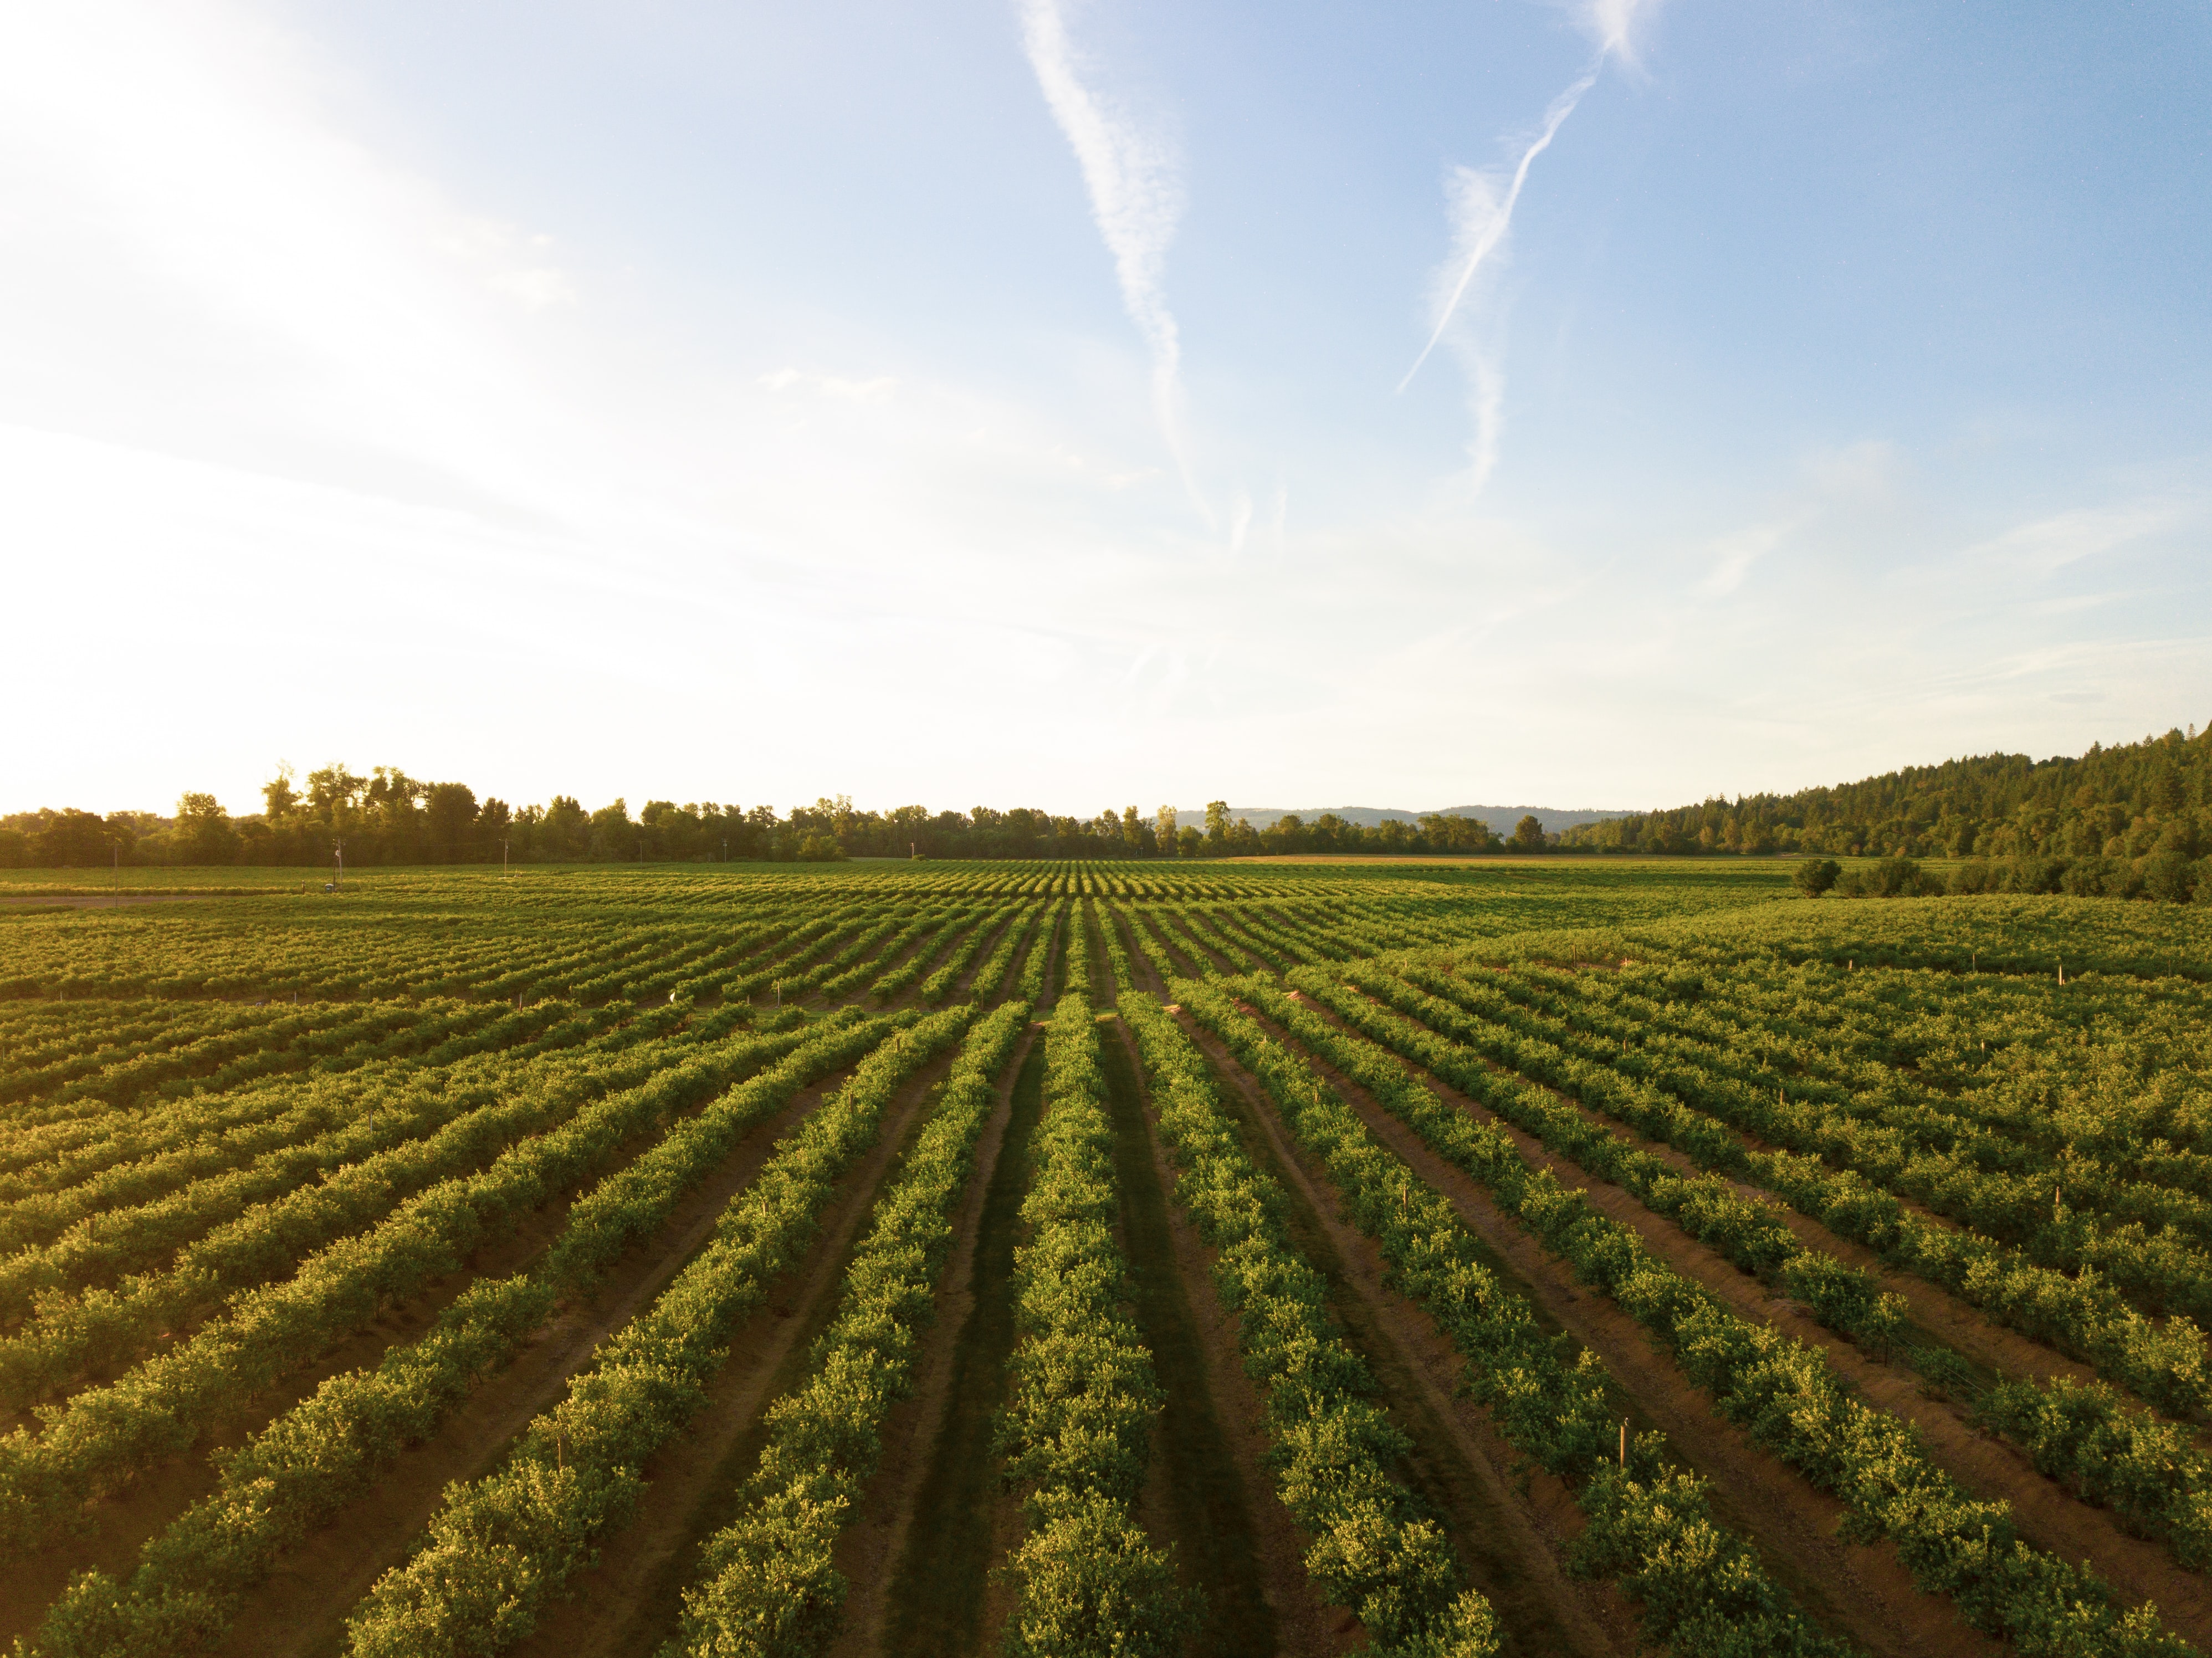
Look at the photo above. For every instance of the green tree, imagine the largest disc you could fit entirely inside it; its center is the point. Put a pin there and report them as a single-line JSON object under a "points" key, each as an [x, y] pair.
{"points": [[449, 812], [204, 834], [1164, 828], [278, 798], [1217, 823], [1529, 835], [1815, 875]]}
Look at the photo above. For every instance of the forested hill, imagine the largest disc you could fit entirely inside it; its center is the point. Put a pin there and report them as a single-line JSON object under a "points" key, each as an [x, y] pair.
{"points": [[2124, 802]]}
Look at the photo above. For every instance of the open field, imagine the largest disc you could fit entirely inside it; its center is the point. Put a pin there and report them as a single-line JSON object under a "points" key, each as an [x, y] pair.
{"points": [[1544, 1256]]}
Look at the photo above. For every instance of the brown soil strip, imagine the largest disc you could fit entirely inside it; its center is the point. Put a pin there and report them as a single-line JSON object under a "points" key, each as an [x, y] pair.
{"points": [[1140, 967], [1510, 1521], [628, 1603], [1302, 1625], [869, 1551], [1863, 1591], [1986, 1466], [943, 1599], [1199, 1496], [302, 1608]]}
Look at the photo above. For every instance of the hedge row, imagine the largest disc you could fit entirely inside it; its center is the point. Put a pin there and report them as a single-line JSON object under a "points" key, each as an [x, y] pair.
{"points": [[1081, 1397], [1373, 1552], [1701, 1588], [766, 1584], [1783, 1392], [502, 1545]]}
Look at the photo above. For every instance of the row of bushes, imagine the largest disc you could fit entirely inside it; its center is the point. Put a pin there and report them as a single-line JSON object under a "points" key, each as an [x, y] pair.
{"points": [[2080, 1314], [229, 1246], [1702, 1588], [2149, 1470], [1374, 1551], [939, 985], [766, 1587], [503, 1546], [1784, 1393], [331, 1448], [2169, 877], [104, 1438], [1994, 1171], [1075, 1434]]}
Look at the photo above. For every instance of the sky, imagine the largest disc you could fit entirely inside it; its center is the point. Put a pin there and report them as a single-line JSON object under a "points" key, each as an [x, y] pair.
{"points": [[1606, 403]]}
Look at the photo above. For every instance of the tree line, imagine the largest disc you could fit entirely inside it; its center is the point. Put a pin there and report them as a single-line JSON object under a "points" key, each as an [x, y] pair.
{"points": [[388, 818], [2125, 804]]}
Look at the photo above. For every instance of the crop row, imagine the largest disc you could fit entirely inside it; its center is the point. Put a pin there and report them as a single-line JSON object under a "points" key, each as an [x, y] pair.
{"points": [[1375, 1552], [331, 1448], [2082, 1314], [1081, 1398], [502, 1546], [1702, 1588], [1785, 1393], [2148, 1470], [95, 1332], [765, 1585], [100, 1440]]}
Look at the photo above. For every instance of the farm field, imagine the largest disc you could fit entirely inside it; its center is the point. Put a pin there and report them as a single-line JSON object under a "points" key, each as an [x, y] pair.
{"points": [[1530, 1257]]}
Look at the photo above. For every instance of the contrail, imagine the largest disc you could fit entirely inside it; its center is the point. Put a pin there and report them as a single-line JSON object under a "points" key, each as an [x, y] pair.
{"points": [[1612, 25], [1502, 219], [1136, 197]]}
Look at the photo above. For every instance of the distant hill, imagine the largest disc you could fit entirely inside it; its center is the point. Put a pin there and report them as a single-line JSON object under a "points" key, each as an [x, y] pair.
{"points": [[1501, 819]]}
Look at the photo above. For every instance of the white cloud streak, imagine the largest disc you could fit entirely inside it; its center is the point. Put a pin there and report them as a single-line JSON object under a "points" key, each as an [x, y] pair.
{"points": [[1133, 177], [1481, 216]]}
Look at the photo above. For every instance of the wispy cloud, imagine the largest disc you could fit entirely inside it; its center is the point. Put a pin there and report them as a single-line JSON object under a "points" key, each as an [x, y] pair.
{"points": [[1135, 180], [1480, 203]]}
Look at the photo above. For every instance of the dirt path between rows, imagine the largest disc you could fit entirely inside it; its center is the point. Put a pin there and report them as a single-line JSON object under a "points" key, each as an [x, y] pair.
{"points": [[870, 1549], [941, 1598], [1509, 1530], [1986, 1466], [1863, 1591], [301, 1609], [1302, 1624], [628, 1603], [1204, 1490]]}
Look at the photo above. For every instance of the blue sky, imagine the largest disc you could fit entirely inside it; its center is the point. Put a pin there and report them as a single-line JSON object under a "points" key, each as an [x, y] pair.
{"points": [[1009, 402]]}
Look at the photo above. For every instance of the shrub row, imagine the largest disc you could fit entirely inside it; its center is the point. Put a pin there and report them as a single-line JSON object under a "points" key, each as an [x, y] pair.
{"points": [[502, 1545], [2082, 1315], [331, 1448], [1081, 1398], [939, 985], [1691, 1576], [766, 1586], [1373, 1550], [103, 1438], [1784, 1393]]}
